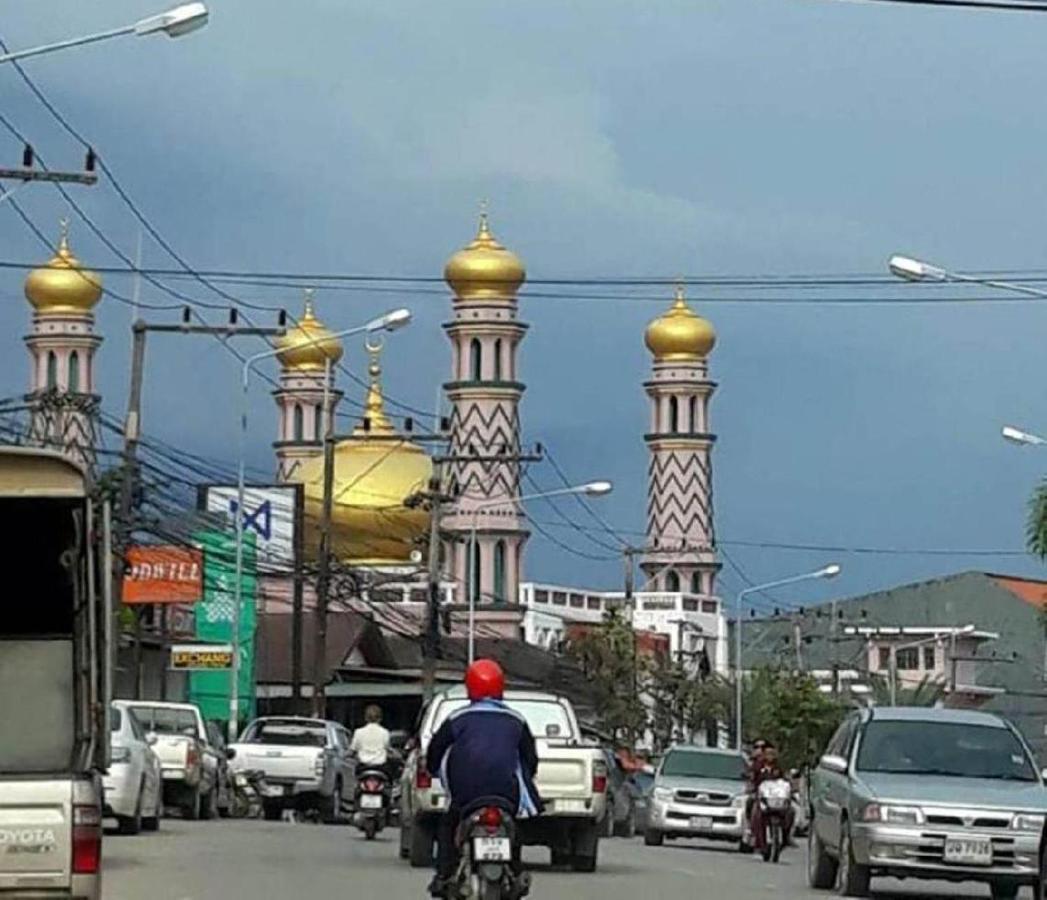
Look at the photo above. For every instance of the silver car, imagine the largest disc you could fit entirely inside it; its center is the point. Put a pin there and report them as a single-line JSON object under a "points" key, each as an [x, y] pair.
{"points": [[698, 792], [926, 793]]}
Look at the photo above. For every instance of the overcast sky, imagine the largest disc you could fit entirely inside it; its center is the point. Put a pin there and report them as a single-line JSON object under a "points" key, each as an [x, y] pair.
{"points": [[612, 138]]}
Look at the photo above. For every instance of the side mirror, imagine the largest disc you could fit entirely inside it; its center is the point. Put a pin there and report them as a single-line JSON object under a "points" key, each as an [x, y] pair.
{"points": [[1043, 774], [230, 752], [189, 731], [151, 739], [834, 763]]}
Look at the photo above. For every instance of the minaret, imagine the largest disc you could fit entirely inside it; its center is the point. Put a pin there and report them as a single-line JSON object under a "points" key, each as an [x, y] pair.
{"points": [[485, 393], [681, 546], [62, 345], [305, 351]]}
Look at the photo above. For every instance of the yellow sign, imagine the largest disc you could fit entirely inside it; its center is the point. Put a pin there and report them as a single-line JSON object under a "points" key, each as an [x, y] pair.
{"points": [[201, 656]]}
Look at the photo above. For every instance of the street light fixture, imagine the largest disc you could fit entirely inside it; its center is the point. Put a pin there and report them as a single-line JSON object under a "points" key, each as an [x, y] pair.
{"points": [[1022, 438], [175, 22], [589, 489], [909, 269], [391, 321], [829, 571]]}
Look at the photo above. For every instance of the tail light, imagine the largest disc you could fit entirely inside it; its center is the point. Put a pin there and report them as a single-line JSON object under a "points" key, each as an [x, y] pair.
{"points": [[422, 779], [87, 840], [490, 817], [192, 756], [319, 763], [599, 778], [373, 786]]}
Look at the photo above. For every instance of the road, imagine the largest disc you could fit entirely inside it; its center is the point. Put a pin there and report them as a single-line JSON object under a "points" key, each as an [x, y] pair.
{"points": [[253, 860]]}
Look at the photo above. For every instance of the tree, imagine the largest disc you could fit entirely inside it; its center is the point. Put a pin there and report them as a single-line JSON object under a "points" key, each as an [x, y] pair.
{"points": [[682, 702], [1036, 523], [927, 692]]}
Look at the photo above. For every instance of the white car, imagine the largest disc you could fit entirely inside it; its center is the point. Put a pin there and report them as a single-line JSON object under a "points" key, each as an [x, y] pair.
{"points": [[134, 782]]}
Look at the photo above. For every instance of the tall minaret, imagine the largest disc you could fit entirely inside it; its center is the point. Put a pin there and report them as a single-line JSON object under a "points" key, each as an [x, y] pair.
{"points": [[62, 345], [485, 393], [681, 546], [304, 352]]}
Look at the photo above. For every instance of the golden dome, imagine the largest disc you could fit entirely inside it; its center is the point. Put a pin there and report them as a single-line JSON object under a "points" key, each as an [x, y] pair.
{"points": [[375, 471], [308, 346], [62, 285], [484, 269], [680, 334]]}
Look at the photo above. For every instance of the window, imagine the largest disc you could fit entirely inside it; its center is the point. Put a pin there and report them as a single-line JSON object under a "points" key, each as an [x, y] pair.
{"points": [[52, 371], [541, 596], [930, 658], [559, 598], [475, 360], [674, 415], [318, 421], [885, 659], [74, 373], [166, 719], [710, 606], [907, 659], [672, 583], [498, 360], [693, 410], [690, 604], [577, 601], [696, 764], [696, 583], [299, 423], [474, 572], [499, 572], [592, 602]]}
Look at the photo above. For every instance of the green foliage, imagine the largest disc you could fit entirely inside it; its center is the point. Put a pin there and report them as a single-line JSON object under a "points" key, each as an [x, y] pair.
{"points": [[927, 692], [680, 703], [1036, 522]]}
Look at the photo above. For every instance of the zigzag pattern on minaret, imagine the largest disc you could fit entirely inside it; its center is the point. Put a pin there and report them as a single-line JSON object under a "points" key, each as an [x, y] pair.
{"points": [[680, 494], [498, 432]]}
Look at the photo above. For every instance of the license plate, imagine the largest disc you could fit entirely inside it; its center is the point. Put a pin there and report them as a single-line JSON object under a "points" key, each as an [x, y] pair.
{"points": [[968, 851], [492, 849], [570, 806], [370, 801], [701, 822]]}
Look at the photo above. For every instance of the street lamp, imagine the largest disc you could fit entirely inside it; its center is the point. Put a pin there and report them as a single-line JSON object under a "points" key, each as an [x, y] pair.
{"points": [[389, 322], [829, 571], [909, 269], [1022, 438], [178, 21], [590, 489]]}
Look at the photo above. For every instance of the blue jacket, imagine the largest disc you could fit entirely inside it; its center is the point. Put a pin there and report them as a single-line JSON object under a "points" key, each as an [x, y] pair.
{"points": [[486, 749]]}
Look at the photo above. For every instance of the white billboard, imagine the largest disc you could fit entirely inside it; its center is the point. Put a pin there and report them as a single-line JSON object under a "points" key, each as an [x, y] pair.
{"points": [[269, 514]]}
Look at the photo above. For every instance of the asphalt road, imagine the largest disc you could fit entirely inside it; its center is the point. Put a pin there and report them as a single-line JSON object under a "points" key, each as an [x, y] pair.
{"points": [[253, 860]]}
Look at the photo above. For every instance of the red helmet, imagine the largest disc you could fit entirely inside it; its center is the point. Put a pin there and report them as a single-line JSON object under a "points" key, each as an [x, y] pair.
{"points": [[485, 680]]}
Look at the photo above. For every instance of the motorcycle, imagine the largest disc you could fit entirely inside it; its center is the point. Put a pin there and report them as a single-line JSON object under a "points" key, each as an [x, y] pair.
{"points": [[372, 802], [775, 797], [487, 842], [248, 790]]}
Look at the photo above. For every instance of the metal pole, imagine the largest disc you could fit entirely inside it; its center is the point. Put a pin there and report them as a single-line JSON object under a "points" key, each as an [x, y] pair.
{"points": [[431, 639], [473, 568], [738, 672], [238, 589], [323, 579], [798, 641], [893, 674], [297, 606], [62, 45]]}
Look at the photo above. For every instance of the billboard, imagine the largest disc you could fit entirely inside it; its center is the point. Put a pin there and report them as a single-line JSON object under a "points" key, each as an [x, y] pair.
{"points": [[163, 574], [201, 657], [271, 514], [210, 690]]}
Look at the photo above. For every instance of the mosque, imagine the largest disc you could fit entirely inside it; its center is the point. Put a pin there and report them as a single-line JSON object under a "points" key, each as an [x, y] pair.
{"points": [[380, 468]]}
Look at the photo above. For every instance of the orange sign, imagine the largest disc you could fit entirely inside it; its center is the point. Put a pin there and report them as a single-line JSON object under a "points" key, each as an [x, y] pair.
{"points": [[163, 575]]}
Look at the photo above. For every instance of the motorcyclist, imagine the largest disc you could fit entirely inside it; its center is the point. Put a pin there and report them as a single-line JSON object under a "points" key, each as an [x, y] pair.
{"points": [[482, 750], [371, 743], [769, 770]]}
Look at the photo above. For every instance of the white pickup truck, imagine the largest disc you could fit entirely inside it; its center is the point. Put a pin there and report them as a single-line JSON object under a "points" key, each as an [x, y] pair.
{"points": [[572, 782], [306, 764], [192, 766]]}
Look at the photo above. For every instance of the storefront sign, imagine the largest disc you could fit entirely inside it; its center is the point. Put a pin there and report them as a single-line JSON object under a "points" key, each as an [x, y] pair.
{"points": [[163, 574], [201, 657]]}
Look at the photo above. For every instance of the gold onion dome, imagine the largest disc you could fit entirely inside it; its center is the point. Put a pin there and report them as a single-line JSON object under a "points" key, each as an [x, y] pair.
{"points": [[680, 334], [308, 345], [375, 471], [484, 269], [62, 285]]}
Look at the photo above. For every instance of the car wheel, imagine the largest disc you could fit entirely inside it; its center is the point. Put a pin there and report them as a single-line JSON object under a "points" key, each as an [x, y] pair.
{"points": [[423, 834], [332, 813], [821, 867], [626, 829], [1004, 890], [272, 812], [405, 842], [192, 804], [653, 838], [209, 805], [853, 879], [132, 824], [607, 825]]}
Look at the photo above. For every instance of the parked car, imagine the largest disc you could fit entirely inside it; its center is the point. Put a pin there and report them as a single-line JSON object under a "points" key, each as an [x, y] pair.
{"points": [[926, 793], [306, 763], [698, 792], [190, 763], [572, 781], [133, 786], [620, 820]]}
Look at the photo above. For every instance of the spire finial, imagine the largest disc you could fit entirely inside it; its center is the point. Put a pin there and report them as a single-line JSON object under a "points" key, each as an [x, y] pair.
{"points": [[374, 407], [681, 293], [485, 231], [309, 314], [63, 234]]}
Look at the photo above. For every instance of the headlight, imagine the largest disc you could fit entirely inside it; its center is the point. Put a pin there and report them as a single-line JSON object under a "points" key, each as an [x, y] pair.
{"points": [[894, 815], [739, 800], [1026, 822], [663, 794], [121, 754]]}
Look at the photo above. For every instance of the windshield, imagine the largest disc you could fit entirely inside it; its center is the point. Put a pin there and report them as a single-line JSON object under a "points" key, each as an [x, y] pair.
{"points": [[944, 748], [287, 734], [546, 718], [696, 764], [164, 720]]}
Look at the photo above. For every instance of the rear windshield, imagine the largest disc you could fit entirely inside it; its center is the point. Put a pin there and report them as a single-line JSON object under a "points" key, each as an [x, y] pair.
{"points": [[695, 764], [546, 718], [164, 720], [286, 734], [944, 748]]}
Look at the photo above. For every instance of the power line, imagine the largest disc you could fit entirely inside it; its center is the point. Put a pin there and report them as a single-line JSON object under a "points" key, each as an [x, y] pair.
{"points": [[1013, 5]]}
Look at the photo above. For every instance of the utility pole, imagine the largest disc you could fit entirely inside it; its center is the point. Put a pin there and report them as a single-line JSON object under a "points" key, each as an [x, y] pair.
{"points": [[834, 650], [798, 641], [431, 638], [323, 577]]}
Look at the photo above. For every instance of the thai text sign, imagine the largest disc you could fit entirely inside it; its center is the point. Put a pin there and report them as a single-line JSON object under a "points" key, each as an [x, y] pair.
{"points": [[163, 575], [201, 657]]}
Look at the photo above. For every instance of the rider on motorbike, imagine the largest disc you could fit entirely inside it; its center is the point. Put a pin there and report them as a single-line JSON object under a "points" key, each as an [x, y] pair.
{"points": [[765, 768], [371, 743], [482, 750]]}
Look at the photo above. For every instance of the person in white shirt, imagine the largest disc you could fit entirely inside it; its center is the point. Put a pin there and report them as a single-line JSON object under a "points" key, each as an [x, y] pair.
{"points": [[371, 744]]}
